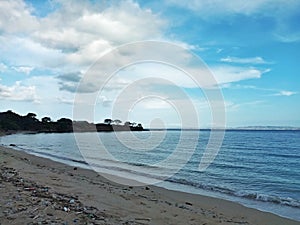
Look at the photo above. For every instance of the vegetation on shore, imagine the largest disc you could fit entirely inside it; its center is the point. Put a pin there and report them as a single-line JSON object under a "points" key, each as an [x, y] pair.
{"points": [[13, 122]]}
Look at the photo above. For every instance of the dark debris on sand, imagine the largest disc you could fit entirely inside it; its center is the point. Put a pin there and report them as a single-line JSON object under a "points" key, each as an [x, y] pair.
{"points": [[25, 202]]}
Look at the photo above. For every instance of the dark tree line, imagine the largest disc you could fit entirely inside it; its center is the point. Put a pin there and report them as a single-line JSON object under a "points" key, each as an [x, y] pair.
{"points": [[116, 125], [12, 122]]}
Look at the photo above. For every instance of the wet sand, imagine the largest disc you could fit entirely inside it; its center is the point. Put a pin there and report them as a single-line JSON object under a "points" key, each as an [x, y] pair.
{"points": [[36, 190]]}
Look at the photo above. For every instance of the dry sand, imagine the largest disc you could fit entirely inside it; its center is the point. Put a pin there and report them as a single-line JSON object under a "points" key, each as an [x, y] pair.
{"points": [[35, 190]]}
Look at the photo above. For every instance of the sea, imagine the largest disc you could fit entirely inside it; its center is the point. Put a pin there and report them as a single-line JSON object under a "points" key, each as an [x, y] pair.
{"points": [[256, 168]]}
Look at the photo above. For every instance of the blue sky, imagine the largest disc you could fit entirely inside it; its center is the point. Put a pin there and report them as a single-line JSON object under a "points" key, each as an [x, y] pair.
{"points": [[251, 47]]}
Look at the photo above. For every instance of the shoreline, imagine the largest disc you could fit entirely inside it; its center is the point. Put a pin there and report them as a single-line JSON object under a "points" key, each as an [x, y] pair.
{"points": [[83, 195]]}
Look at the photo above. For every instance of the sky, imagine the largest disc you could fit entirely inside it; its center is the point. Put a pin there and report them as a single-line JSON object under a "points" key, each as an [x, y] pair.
{"points": [[251, 48]]}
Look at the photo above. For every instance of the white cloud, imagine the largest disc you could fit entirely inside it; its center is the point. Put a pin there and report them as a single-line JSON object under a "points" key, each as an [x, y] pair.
{"points": [[65, 100], [75, 34], [15, 17], [3, 67], [235, 106], [20, 51], [47, 89], [153, 77], [286, 93], [187, 45], [229, 74], [23, 69], [88, 53], [84, 32], [220, 7], [18, 92], [277, 92], [287, 37], [41, 90], [151, 103], [252, 60]]}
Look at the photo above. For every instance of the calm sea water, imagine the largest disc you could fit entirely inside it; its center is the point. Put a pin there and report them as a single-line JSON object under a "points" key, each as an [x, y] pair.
{"points": [[260, 169]]}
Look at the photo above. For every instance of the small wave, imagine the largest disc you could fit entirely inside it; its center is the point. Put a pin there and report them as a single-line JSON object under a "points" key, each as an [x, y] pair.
{"points": [[293, 156], [130, 171], [273, 199], [207, 187], [133, 164], [55, 156], [287, 201]]}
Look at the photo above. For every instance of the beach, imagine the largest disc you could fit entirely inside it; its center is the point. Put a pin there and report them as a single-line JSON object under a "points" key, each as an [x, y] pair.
{"points": [[36, 190]]}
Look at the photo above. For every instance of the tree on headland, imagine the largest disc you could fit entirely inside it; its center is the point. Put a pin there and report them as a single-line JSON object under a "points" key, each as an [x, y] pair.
{"points": [[47, 124], [127, 123], [31, 115], [64, 125], [117, 122], [46, 119], [30, 122], [108, 121], [10, 121]]}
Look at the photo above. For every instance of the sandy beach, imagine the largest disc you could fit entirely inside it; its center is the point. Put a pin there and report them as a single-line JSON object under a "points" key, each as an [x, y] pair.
{"points": [[36, 190]]}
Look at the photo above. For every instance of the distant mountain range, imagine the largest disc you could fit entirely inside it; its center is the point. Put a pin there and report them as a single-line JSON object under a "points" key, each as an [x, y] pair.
{"points": [[236, 128], [267, 128]]}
